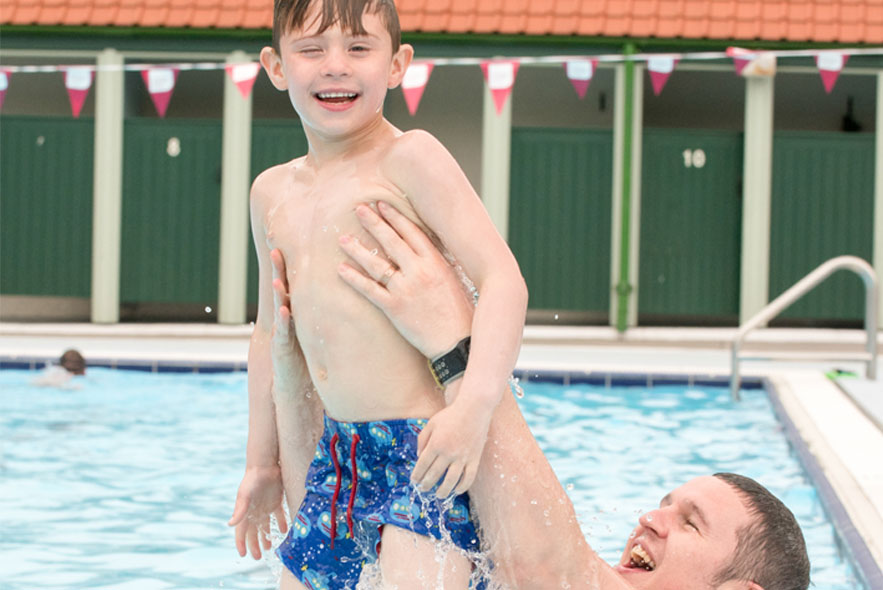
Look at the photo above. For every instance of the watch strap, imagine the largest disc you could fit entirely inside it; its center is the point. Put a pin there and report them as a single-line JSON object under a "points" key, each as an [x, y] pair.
{"points": [[452, 364]]}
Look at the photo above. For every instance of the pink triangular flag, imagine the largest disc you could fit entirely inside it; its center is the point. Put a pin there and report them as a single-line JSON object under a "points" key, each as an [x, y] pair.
{"points": [[4, 84], [243, 75], [500, 77], [160, 84], [660, 68], [580, 73], [752, 63], [78, 81], [414, 83], [830, 63]]}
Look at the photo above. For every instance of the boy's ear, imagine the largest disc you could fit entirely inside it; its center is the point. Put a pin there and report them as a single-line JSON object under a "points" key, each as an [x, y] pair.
{"points": [[400, 62], [273, 66]]}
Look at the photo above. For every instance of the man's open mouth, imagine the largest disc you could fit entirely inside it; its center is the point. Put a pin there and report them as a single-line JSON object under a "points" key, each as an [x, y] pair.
{"points": [[639, 558], [337, 97]]}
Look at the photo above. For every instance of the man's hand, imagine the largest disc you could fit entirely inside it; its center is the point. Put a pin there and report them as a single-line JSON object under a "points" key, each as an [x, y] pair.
{"points": [[418, 291], [259, 495], [451, 445]]}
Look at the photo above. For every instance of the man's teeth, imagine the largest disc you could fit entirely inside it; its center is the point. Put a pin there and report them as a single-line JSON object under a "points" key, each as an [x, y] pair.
{"points": [[641, 559]]}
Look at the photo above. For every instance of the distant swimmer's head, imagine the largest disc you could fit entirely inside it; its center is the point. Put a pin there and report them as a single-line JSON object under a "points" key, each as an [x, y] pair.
{"points": [[302, 15], [73, 362]]}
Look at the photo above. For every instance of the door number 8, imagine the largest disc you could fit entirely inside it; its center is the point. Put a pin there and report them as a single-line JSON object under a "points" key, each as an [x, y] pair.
{"points": [[694, 158]]}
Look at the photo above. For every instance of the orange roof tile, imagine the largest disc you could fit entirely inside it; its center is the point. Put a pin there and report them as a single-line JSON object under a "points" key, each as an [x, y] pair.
{"points": [[844, 21]]}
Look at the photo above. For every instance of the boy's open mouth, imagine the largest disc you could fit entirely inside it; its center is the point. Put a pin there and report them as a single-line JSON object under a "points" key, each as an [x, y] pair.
{"points": [[337, 97]]}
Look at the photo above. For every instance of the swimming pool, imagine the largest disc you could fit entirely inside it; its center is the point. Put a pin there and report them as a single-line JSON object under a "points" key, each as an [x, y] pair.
{"points": [[127, 483]]}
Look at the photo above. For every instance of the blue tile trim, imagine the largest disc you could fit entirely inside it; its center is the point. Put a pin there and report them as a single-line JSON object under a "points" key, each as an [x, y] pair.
{"points": [[32, 363], [868, 568]]}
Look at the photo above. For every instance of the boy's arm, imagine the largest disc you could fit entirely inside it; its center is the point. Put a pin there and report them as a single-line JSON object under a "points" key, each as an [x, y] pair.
{"points": [[443, 198]]}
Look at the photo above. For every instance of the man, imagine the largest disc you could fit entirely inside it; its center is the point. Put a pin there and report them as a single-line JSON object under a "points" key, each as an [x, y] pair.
{"points": [[723, 532]]}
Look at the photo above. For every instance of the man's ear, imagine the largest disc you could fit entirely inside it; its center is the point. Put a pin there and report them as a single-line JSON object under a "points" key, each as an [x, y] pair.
{"points": [[273, 66], [400, 62]]}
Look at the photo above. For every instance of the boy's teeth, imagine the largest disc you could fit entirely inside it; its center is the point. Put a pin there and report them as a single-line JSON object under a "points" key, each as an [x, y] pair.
{"points": [[326, 95], [640, 558]]}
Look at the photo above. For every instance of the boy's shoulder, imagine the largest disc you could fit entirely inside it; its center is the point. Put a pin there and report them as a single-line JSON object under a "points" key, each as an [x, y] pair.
{"points": [[414, 151], [269, 179]]}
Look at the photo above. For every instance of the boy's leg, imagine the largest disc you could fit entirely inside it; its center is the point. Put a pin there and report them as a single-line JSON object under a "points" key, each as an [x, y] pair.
{"points": [[409, 560], [289, 582]]}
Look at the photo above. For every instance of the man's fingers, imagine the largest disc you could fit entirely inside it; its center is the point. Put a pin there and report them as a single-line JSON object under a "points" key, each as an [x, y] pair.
{"points": [[370, 289], [278, 264], [391, 242], [412, 235], [371, 261]]}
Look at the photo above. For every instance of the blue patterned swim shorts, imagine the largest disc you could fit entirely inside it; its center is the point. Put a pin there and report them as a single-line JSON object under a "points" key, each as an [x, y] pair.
{"points": [[359, 481]]}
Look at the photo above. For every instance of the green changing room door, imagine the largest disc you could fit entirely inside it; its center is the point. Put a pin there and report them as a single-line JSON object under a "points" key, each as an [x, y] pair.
{"points": [[559, 219], [691, 214], [171, 211], [822, 207]]}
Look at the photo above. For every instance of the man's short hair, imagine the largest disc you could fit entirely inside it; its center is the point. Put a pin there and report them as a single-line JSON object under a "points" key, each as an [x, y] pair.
{"points": [[291, 15], [770, 551]]}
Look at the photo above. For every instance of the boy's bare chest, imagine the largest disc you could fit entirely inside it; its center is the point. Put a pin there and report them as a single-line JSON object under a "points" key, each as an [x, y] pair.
{"points": [[309, 218]]}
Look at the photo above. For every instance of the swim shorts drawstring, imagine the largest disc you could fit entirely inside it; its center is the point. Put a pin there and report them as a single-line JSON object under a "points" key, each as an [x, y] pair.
{"points": [[349, 508]]}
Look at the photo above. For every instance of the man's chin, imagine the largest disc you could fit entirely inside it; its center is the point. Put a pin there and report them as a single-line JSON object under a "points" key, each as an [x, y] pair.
{"points": [[637, 577]]}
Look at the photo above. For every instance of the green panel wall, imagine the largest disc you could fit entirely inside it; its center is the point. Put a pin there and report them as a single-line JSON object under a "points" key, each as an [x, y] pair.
{"points": [[690, 227], [822, 206], [46, 206], [272, 142], [559, 216], [171, 212]]}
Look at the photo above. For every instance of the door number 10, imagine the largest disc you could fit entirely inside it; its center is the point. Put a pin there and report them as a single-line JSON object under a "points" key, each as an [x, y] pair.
{"points": [[694, 158]]}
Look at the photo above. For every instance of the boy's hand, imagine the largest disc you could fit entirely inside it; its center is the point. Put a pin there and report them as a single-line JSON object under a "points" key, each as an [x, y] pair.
{"points": [[259, 495], [451, 442]]}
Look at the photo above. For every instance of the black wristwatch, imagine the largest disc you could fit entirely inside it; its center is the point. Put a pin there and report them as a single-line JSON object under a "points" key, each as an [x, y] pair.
{"points": [[452, 364]]}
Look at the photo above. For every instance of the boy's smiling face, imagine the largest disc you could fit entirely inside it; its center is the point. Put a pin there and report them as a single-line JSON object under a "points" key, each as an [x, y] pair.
{"points": [[337, 80]]}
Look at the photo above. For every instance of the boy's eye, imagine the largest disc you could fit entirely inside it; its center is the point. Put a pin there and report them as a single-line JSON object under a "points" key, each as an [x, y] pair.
{"points": [[360, 48]]}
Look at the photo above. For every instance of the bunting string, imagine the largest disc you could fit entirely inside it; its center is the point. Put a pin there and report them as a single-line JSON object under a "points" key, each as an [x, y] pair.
{"points": [[499, 73]]}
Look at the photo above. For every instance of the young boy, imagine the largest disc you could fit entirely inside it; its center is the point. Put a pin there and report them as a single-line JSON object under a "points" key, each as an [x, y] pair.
{"points": [[382, 406]]}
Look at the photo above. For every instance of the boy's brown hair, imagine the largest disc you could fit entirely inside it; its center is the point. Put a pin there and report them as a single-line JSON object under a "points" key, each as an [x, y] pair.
{"points": [[291, 15]]}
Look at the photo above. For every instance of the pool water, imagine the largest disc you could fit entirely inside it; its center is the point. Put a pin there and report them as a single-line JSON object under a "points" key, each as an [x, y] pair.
{"points": [[127, 482]]}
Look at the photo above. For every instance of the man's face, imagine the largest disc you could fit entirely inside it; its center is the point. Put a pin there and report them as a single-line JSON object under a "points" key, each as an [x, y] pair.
{"points": [[687, 540]]}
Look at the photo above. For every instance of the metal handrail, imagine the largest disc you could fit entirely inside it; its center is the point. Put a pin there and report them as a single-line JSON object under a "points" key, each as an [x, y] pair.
{"points": [[803, 286]]}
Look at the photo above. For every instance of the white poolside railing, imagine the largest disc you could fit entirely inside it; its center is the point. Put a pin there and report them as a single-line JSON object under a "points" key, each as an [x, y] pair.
{"points": [[802, 287]]}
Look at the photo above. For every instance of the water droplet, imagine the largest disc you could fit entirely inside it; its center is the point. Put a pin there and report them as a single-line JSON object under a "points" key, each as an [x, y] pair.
{"points": [[514, 478], [556, 316], [569, 487], [324, 228], [208, 309], [533, 502], [374, 252]]}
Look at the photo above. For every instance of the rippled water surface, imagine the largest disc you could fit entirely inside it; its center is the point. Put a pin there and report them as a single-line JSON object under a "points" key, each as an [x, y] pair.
{"points": [[128, 481]]}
